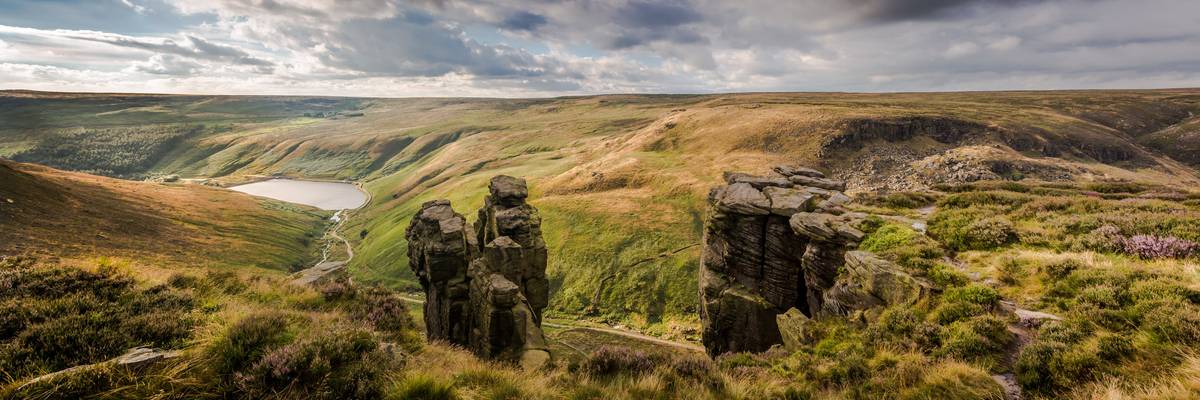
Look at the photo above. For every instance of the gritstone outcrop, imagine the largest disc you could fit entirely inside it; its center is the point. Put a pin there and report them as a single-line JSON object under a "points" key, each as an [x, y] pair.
{"points": [[485, 289], [776, 243]]}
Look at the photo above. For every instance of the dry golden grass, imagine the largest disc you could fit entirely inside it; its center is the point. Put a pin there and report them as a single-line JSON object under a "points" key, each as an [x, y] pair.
{"points": [[80, 216]]}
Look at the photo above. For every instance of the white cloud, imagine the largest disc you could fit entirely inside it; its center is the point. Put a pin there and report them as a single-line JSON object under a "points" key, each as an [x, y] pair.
{"points": [[167, 64], [532, 47], [135, 7], [1005, 43], [961, 49]]}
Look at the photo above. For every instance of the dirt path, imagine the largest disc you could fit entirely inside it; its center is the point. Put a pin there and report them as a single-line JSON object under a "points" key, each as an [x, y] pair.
{"points": [[628, 334], [567, 326], [324, 267], [333, 232]]}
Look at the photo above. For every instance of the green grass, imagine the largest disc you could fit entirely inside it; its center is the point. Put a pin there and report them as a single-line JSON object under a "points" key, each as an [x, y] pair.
{"points": [[620, 179]]}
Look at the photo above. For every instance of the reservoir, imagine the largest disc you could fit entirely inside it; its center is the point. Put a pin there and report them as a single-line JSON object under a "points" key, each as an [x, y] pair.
{"points": [[323, 195]]}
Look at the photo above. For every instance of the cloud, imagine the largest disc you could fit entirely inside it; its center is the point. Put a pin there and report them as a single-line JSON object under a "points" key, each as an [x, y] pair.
{"points": [[523, 21], [906, 10], [540, 47], [657, 14], [1005, 43], [961, 49], [166, 64], [135, 7], [190, 46]]}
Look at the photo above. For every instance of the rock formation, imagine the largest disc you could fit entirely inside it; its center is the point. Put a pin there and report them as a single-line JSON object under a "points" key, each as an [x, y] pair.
{"points": [[777, 243], [485, 289]]}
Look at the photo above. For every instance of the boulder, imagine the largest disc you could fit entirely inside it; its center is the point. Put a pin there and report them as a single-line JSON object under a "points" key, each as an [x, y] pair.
{"points": [[788, 201], [758, 182], [742, 198], [794, 170], [871, 282], [508, 191], [823, 183], [794, 329]]}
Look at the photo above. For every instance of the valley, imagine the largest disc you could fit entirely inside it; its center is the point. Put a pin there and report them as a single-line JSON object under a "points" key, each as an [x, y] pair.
{"points": [[624, 176], [1081, 205]]}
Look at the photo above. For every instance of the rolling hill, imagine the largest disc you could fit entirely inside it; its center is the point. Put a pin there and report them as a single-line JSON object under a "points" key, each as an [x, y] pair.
{"points": [[618, 178], [1059, 229], [77, 218]]}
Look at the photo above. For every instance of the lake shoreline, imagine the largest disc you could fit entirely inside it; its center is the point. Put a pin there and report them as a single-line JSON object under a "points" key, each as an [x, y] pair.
{"points": [[323, 194]]}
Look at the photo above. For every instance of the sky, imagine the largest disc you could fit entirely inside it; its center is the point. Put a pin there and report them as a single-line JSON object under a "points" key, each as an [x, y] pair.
{"points": [[536, 48]]}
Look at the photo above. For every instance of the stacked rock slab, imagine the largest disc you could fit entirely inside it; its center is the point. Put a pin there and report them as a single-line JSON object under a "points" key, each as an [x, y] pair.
{"points": [[440, 249], [484, 289], [770, 244]]}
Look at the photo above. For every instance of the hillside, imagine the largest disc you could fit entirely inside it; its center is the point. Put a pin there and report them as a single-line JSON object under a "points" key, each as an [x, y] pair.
{"points": [[1058, 233], [74, 216], [623, 178]]}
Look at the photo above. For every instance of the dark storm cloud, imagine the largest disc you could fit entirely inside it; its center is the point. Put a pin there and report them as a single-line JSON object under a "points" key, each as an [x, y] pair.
{"points": [[656, 14], [523, 21], [904, 10]]}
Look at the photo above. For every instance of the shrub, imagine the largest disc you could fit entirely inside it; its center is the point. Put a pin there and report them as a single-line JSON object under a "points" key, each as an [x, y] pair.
{"points": [[612, 360], [888, 237], [978, 338], [949, 312], [796, 393], [1115, 187], [1010, 271], [954, 380], [336, 365], [1113, 347], [902, 327], [56, 317], [973, 230], [946, 275], [1061, 269], [960, 303], [974, 294], [899, 200], [1150, 247], [871, 223], [1106, 239], [385, 312], [228, 282], [183, 281], [248, 339], [422, 387], [904, 246], [340, 289], [1170, 320], [986, 198], [694, 368]]}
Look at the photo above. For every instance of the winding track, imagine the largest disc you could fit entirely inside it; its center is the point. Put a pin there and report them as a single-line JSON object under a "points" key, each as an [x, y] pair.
{"points": [[324, 267]]}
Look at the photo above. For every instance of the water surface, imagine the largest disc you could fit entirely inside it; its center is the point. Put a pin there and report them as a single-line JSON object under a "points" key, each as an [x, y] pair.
{"points": [[323, 195]]}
